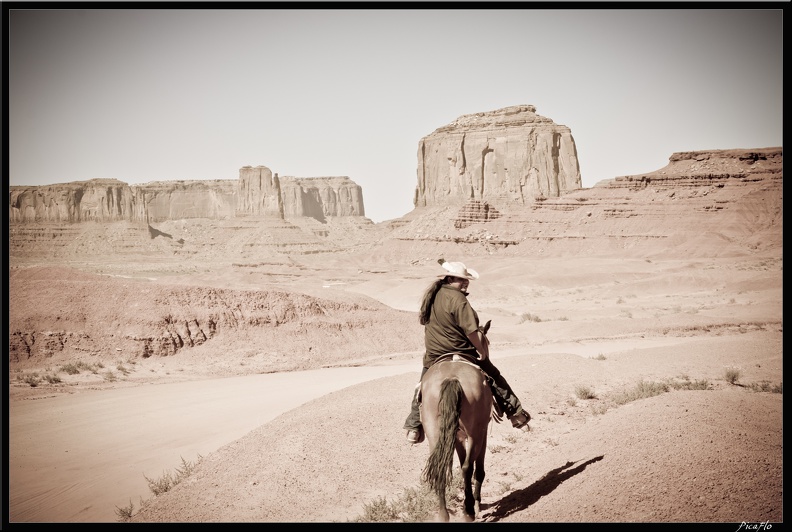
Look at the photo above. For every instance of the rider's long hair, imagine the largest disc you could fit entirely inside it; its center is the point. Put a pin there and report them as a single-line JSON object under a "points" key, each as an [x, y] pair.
{"points": [[428, 300]]}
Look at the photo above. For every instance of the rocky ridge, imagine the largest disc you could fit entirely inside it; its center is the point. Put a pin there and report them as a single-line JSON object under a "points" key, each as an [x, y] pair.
{"points": [[725, 195], [257, 192], [167, 319]]}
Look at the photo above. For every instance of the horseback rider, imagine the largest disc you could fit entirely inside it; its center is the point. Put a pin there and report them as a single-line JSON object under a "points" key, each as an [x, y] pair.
{"points": [[452, 326]]}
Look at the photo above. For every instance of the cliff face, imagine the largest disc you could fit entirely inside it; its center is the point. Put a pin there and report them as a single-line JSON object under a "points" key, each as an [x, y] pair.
{"points": [[319, 197], [509, 155], [97, 200], [709, 167], [257, 192], [174, 200]]}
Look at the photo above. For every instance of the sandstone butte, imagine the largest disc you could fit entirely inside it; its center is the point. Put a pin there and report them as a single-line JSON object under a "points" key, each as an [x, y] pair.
{"points": [[511, 155], [508, 178]]}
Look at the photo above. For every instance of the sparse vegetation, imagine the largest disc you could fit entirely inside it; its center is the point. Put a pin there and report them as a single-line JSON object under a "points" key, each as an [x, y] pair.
{"points": [[32, 379], [160, 485], [732, 374], [527, 316], [168, 480], [686, 384], [414, 505], [645, 389], [766, 386], [641, 390], [125, 513], [584, 392], [73, 368], [599, 357]]}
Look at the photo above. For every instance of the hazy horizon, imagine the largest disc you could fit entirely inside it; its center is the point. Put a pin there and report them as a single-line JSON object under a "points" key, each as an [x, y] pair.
{"points": [[145, 95]]}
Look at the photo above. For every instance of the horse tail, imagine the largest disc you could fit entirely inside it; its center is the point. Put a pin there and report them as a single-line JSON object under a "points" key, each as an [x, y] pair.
{"points": [[438, 472]]}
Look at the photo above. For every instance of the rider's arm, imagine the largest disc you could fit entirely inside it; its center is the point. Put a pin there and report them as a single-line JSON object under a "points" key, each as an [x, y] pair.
{"points": [[481, 342]]}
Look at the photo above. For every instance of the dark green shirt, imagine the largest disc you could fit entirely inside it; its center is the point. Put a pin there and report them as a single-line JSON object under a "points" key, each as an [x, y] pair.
{"points": [[451, 320]]}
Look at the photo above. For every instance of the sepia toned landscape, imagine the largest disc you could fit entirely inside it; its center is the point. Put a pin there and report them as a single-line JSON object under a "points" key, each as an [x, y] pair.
{"points": [[640, 322]]}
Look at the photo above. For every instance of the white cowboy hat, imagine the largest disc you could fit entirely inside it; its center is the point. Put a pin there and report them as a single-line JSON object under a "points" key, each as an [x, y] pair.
{"points": [[457, 269]]}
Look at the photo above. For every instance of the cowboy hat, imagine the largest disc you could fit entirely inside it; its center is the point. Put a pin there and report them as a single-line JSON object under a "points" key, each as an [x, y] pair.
{"points": [[457, 269]]}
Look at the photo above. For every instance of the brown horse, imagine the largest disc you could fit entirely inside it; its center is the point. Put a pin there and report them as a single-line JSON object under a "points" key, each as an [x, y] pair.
{"points": [[456, 409]]}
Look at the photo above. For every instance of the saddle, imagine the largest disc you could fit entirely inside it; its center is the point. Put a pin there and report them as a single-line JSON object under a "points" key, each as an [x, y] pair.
{"points": [[497, 411]]}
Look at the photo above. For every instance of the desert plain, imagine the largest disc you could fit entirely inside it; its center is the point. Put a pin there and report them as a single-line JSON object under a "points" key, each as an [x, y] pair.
{"points": [[592, 296]]}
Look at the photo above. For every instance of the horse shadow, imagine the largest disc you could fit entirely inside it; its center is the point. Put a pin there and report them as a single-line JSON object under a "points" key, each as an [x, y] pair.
{"points": [[523, 498]]}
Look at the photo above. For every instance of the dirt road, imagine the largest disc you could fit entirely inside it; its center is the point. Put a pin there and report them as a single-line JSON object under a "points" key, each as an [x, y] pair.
{"points": [[75, 458]]}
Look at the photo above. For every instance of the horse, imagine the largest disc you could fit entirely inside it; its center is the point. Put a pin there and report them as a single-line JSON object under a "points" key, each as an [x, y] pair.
{"points": [[456, 408]]}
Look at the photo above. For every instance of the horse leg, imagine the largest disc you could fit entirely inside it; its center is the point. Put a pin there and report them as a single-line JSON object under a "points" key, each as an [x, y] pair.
{"points": [[467, 476], [480, 474]]}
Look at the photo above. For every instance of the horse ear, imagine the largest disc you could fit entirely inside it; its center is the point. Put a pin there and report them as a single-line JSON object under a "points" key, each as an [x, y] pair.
{"points": [[486, 327]]}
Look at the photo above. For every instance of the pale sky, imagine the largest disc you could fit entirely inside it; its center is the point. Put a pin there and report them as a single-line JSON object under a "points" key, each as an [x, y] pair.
{"points": [[184, 94]]}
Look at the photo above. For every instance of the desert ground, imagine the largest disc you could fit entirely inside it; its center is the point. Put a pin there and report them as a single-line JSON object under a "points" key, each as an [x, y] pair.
{"points": [[700, 455], [163, 337]]}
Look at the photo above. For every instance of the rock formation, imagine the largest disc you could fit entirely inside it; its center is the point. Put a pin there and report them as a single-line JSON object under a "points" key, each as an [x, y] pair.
{"points": [[708, 167], [175, 200], [257, 192], [475, 211], [97, 200], [320, 197], [511, 155], [733, 197]]}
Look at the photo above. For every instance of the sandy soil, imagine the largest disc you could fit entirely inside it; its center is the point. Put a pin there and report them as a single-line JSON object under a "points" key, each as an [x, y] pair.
{"points": [[701, 455]]}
